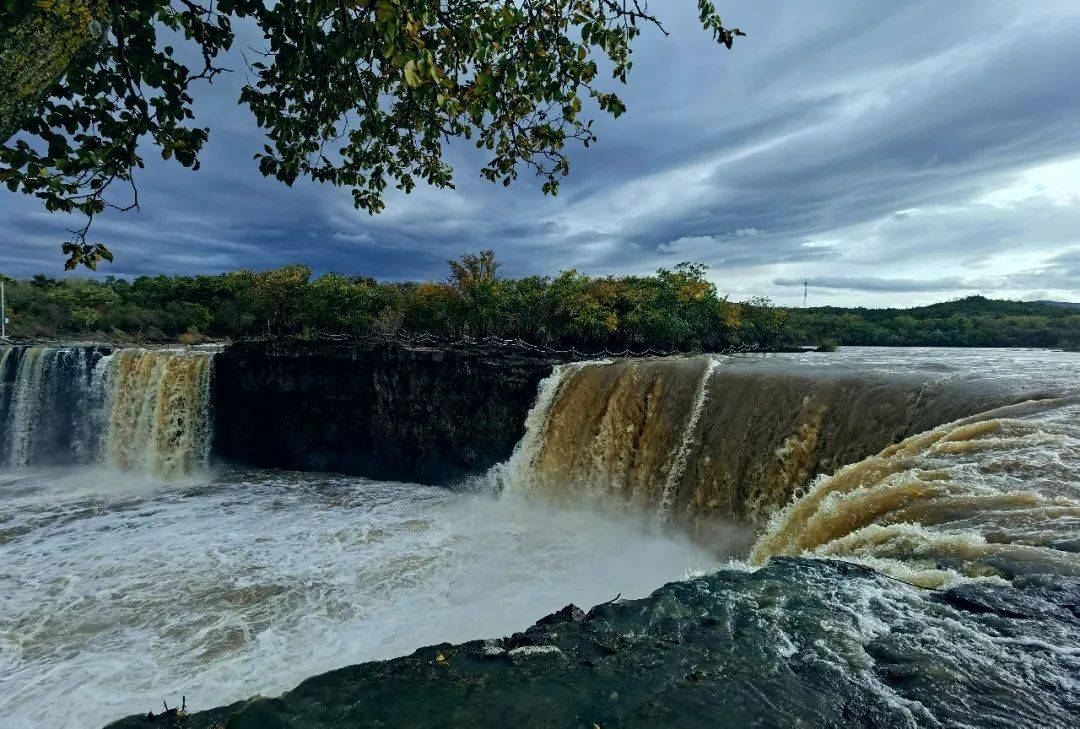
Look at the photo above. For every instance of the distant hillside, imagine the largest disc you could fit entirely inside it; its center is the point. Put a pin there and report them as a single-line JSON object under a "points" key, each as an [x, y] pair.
{"points": [[974, 321], [968, 306]]}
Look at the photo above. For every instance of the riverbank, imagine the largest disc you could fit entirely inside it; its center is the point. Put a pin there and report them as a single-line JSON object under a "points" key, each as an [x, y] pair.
{"points": [[797, 641]]}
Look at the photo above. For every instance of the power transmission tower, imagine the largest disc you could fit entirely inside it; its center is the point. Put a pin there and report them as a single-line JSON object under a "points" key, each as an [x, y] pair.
{"points": [[3, 312], [805, 291]]}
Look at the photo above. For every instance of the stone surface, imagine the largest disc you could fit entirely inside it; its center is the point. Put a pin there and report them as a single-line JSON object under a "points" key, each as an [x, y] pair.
{"points": [[375, 408], [797, 643]]}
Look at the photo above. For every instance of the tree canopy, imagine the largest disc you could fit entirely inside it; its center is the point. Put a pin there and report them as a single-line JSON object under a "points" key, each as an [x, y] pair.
{"points": [[361, 94], [675, 309]]}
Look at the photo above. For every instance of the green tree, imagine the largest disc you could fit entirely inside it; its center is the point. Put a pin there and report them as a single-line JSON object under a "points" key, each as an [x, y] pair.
{"points": [[335, 304], [525, 309], [587, 311], [673, 309], [429, 309], [234, 309], [474, 279], [362, 94], [84, 318], [277, 296], [764, 325]]}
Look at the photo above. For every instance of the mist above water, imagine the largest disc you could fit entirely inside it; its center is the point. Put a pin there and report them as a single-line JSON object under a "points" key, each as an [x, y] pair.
{"points": [[119, 588]]}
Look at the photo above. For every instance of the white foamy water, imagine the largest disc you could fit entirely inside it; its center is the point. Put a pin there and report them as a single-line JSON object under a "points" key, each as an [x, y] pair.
{"points": [[145, 410], [1020, 369], [117, 591]]}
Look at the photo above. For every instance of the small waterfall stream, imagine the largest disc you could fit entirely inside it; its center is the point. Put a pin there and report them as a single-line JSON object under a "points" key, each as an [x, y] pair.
{"points": [[32, 397], [146, 410], [158, 411]]}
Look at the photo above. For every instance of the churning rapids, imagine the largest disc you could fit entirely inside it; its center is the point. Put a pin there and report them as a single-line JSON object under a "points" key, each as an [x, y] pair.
{"points": [[132, 567]]}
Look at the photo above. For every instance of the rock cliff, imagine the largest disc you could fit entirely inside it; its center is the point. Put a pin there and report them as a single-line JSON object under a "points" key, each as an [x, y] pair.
{"points": [[375, 408]]}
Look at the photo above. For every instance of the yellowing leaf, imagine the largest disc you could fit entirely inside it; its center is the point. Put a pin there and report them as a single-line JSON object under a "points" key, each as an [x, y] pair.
{"points": [[412, 78]]}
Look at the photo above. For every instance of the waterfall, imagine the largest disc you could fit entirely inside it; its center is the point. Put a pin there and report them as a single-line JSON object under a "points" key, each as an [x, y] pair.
{"points": [[990, 496], [5, 356], [87, 442], [32, 399], [135, 409], [700, 439], [932, 483], [158, 411], [516, 474], [690, 430], [8, 362], [614, 430]]}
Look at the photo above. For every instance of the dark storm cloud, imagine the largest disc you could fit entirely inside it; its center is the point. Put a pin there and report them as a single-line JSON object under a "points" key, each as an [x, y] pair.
{"points": [[852, 134]]}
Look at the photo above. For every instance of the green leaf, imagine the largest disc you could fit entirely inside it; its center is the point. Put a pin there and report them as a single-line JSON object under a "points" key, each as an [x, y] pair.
{"points": [[412, 78]]}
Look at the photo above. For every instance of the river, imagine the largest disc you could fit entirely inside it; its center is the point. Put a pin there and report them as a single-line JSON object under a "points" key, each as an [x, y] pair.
{"points": [[136, 571]]}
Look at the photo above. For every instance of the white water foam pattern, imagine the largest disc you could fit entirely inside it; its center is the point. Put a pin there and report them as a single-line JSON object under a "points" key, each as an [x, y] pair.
{"points": [[678, 463], [118, 589]]}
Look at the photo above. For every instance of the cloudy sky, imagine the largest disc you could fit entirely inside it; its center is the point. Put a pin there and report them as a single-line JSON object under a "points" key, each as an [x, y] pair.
{"points": [[889, 153]]}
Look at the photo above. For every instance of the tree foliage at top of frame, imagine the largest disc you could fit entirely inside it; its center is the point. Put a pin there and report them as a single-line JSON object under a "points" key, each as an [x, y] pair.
{"points": [[356, 93]]}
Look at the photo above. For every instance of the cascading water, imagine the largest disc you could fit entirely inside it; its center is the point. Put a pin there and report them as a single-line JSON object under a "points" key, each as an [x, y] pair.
{"points": [[158, 406], [29, 402], [690, 432], [237, 582], [701, 439], [136, 409], [611, 431], [6, 356], [994, 495], [44, 400], [516, 473], [973, 477]]}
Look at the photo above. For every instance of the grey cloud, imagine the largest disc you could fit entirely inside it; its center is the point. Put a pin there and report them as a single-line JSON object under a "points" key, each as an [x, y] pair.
{"points": [[871, 283], [1060, 272], [825, 125]]}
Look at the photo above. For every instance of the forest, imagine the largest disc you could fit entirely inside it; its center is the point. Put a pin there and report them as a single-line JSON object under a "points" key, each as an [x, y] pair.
{"points": [[676, 309], [972, 321]]}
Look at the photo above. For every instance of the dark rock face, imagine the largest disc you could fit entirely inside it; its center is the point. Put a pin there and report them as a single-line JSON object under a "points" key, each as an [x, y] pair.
{"points": [[797, 643], [375, 408]]}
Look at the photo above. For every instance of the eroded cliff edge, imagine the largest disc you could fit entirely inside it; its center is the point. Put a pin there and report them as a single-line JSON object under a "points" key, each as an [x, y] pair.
{"points": [[798, 642], [701, 437], [376, 408]]}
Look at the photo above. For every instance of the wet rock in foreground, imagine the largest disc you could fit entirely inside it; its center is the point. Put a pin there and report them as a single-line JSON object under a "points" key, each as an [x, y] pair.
{"points": [[798, 643]]}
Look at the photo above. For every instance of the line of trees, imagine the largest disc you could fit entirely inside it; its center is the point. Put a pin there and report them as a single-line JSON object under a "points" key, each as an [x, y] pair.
{"points": [[675, 309], [973, 321]]}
